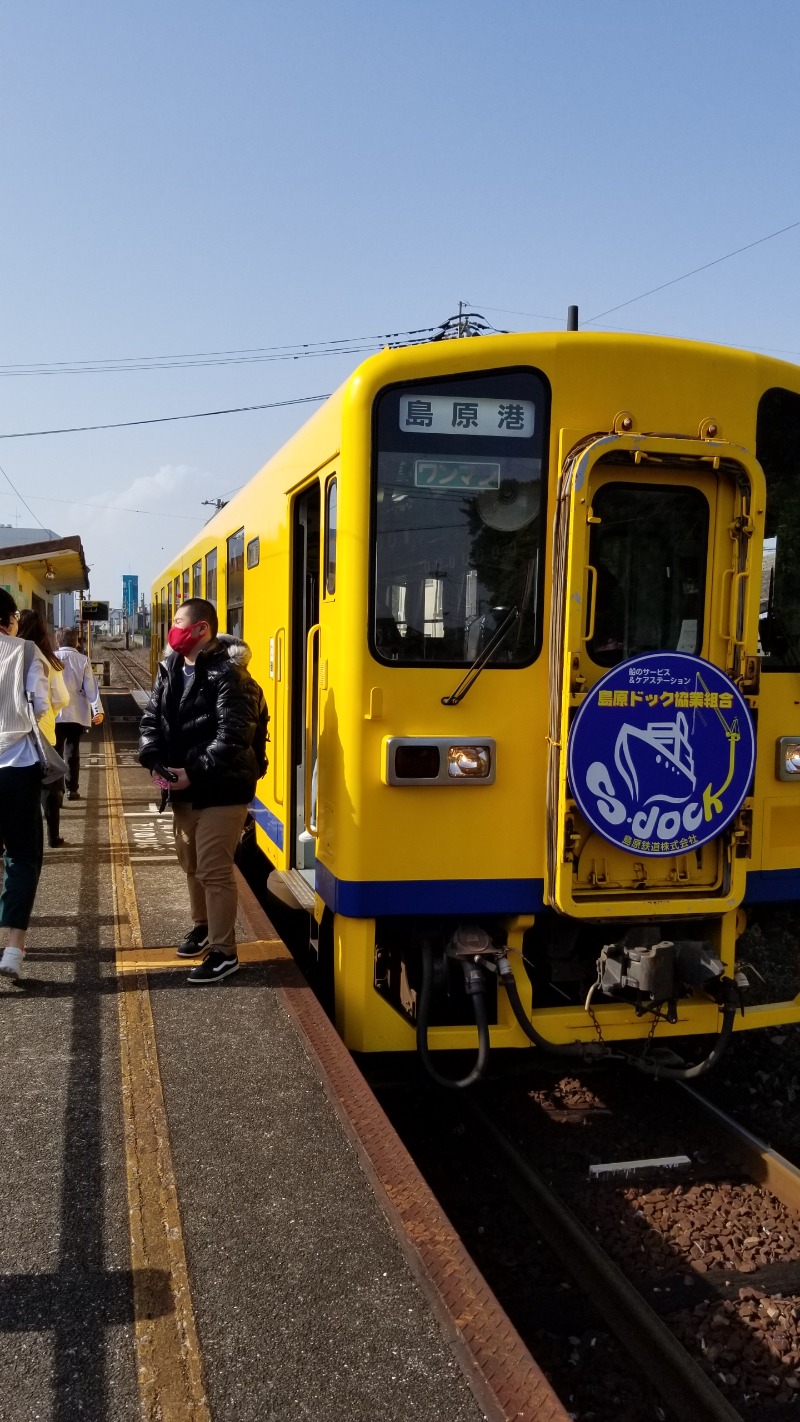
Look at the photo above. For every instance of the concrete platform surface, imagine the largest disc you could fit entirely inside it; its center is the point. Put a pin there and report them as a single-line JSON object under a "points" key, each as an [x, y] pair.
{"points": [[303, 1302]]}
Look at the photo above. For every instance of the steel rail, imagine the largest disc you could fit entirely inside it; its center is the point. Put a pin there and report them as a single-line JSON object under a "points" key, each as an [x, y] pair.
{"points": [[128, 669], [681, 1382], [756, 1159]]}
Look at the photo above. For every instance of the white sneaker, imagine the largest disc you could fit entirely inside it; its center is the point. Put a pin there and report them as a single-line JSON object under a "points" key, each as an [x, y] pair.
{"points": [[11, 962]]}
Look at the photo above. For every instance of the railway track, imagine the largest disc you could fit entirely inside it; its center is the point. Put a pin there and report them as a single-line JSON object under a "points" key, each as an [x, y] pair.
{"points": [[654, 1274], [131, 668]]}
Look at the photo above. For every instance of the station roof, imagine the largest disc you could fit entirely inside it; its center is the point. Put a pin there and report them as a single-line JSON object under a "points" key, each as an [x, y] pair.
{"points": [[64, 557]]}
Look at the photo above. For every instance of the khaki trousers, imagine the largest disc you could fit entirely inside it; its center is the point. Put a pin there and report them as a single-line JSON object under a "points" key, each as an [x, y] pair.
{"points": [[206, 842]]}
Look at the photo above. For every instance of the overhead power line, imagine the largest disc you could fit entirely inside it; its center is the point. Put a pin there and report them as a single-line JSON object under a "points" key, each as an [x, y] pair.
{"points": [[165, 419], [297, 350], [693, 272], [19, 496], [103, 508]]}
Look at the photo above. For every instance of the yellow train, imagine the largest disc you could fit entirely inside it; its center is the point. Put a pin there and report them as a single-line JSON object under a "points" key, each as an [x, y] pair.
{"points": [[526, 610]]}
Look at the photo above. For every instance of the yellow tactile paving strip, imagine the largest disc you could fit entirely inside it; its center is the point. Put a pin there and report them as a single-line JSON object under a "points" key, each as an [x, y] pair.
{"points": [[154, 960], [168, 1362]]}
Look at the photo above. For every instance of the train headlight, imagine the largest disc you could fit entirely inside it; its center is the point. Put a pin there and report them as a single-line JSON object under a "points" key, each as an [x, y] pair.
{"points": [[788, 758], [438, 760], [469, 762]]}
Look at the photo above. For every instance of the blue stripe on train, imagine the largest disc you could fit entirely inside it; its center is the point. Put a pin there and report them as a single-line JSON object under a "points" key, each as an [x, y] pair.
{"points": [[772, 886], [270, 823], [372, 897]]}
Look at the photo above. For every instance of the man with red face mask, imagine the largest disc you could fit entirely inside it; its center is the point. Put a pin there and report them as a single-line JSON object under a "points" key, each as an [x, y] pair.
{"points": [[206, 724]]}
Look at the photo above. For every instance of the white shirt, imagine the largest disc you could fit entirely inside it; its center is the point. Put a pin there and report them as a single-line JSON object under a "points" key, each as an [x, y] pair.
{"points": [[81, 683], [37, 684]]}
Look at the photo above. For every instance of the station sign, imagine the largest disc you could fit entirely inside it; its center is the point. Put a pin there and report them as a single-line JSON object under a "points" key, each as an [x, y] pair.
{"points": [[94, 612], [661, 753]]}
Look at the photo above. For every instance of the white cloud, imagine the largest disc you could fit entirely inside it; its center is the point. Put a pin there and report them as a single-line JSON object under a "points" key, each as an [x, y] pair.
{"points": [[117, 539]]}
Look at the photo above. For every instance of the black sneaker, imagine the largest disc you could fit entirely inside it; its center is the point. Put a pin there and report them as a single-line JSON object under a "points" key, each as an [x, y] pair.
{"points": [[195, 942], [217, 965], [73, 795]]}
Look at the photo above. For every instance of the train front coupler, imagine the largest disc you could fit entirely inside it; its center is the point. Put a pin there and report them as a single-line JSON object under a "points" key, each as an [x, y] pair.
{"points": [[654, 976]]}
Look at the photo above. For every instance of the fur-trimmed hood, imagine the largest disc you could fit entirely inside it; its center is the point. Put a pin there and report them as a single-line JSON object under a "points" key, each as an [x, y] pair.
{"points": [[238, 651]]}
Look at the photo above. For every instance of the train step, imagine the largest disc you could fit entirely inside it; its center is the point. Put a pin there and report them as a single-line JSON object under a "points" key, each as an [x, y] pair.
{"points": [[292, 888]]}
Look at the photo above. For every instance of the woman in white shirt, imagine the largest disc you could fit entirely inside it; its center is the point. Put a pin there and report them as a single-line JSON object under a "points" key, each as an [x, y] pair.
{"points": [[33, 628], [84, 707], [20, 783]]}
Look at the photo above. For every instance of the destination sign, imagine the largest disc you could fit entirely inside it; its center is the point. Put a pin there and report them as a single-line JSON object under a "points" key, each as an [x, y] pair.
{"points": [[481, 415], [456, 474]]}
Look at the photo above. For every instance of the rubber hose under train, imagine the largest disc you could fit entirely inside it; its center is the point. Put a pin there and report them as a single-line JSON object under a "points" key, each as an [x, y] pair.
{"points": [[475, 982], [591, 1052]]}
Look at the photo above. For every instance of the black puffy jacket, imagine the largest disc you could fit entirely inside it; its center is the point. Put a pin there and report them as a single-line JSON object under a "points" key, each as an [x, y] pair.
{"points": [[217, 730]]}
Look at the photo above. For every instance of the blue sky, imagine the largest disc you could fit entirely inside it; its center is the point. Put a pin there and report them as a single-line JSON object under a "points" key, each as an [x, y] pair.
{"points": [[194, 177]]}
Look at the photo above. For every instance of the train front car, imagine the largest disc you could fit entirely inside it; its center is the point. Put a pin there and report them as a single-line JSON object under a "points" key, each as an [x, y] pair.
{"points": [[540, 783]]}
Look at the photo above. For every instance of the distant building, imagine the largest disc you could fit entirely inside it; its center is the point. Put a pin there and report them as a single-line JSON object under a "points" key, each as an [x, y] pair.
{"points": [[11, 537], [130, 594]]}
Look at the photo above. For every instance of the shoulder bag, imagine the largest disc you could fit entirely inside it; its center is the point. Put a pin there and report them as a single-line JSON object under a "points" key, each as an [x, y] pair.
{"points": [[50, 762]]}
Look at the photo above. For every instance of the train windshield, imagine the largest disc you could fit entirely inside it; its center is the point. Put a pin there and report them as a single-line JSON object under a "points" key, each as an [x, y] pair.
{"points": [[458, 518]]}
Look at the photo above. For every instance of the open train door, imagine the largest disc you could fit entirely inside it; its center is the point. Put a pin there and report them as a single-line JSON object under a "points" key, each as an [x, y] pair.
{"points": [[653, 673], [304, 676]]}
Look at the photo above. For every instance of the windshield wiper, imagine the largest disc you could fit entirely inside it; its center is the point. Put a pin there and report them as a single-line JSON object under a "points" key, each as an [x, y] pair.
{"points": [[482, 659]]}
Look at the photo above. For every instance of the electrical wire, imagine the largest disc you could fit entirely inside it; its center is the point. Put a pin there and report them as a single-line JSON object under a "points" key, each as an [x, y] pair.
{"points": [[537, 316], [664, 284], [298, 350], [104, 508], [165, 419], [19, 496]]}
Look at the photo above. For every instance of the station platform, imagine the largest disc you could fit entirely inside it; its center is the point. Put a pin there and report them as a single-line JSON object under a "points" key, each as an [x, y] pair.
{"points": [[205, 1214]]}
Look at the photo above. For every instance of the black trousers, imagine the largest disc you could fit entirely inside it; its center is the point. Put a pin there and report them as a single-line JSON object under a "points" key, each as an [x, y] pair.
{"points": [[52, 800], [21, 834], [68, 744]]}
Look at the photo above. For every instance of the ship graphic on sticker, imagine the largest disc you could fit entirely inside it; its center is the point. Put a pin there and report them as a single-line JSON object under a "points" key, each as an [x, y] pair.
{"points": [[659, 757]]}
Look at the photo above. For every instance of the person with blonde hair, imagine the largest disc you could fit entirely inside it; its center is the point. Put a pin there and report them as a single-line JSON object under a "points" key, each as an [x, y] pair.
{"points": [[33, 628], [23, 678]]}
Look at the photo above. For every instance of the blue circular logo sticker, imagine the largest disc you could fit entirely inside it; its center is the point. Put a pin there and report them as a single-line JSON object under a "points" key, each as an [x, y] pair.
{"points": [[661, 753]]}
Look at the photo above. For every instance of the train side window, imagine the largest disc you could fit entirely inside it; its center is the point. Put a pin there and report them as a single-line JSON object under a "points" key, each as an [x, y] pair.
{"points": [[649, 549], [164, 624], [331, 498], [185, 585], [211, 576], [235, 584], [778, 452], [177, 592], [197, 579], [169, 606]]}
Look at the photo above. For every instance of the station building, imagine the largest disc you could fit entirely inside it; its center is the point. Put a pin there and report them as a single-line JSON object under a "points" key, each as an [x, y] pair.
{"points": [[44, 572]]}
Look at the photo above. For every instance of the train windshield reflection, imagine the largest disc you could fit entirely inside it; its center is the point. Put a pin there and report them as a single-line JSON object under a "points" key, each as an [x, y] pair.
{"points": [[458, 521]]}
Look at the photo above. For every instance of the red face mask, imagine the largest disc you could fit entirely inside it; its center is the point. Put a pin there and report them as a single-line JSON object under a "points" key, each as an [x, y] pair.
{"points": [[182, 639]]}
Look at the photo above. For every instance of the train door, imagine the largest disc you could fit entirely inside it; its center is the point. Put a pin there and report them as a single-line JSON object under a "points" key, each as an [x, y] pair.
{"points": [[654, 547], [304, 675]]}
